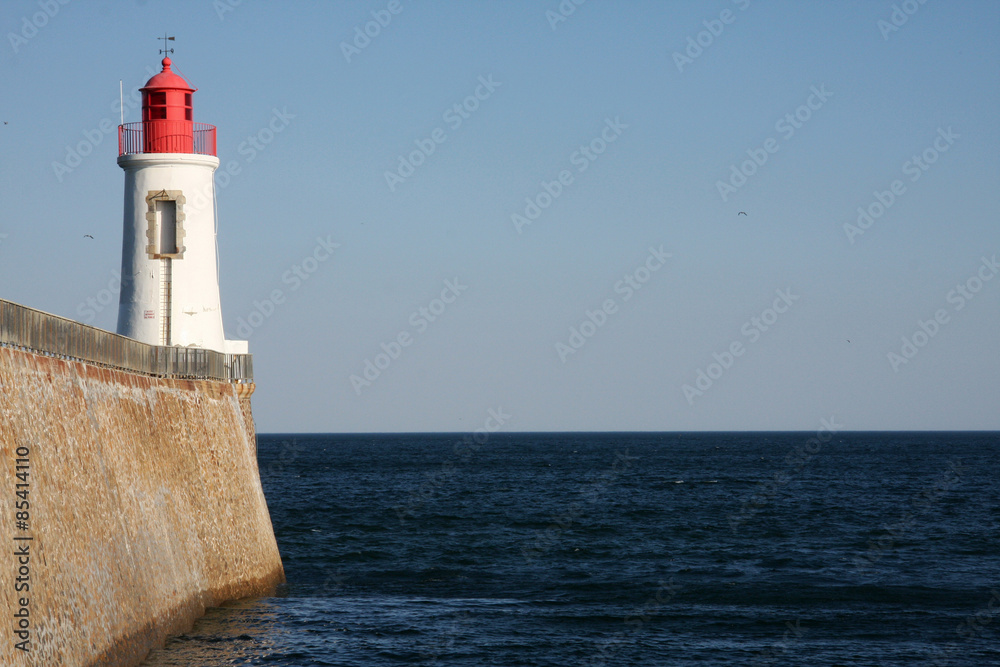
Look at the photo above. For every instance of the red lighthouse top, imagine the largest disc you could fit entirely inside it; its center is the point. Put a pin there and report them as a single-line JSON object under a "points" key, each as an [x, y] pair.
{"points": [[167, 80], [167, 119]]}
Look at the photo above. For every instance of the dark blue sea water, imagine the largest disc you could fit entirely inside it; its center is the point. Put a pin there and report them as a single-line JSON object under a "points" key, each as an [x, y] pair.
{"points": [[622, 549]]}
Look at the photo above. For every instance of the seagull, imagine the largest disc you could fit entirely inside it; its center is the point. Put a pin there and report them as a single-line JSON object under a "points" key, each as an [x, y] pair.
{"points": [[741, 213], [87, 236]]}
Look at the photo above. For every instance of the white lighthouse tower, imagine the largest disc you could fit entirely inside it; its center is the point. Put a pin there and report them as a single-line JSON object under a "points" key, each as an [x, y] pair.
{"points": [[170, 279]]}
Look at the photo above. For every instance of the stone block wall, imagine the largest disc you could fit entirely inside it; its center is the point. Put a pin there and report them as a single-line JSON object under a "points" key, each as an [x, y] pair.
{"points": [[144, 508]]}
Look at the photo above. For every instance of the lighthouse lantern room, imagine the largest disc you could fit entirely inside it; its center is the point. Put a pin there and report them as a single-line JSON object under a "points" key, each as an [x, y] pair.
{"points": [[170, 279]]}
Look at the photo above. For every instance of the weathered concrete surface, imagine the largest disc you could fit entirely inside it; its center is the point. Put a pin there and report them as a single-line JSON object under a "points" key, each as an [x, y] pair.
{"points": [[145, 507]]}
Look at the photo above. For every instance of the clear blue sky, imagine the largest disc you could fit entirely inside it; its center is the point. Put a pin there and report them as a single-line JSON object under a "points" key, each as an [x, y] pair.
{"points": [[833, 103]]}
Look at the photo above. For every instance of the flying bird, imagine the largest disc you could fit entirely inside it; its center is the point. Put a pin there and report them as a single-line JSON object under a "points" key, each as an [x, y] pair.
{"points": [[741, 213], [87, 236]]}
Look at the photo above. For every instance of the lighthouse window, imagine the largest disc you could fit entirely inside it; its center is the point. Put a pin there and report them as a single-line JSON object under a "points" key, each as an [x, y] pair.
{"points": [[157, 113], [187, 100], [166, 219], [165, 224], [157, 99]]}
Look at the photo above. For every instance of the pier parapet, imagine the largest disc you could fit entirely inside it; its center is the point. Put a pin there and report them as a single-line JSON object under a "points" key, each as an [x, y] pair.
{"points": [[42, 333]]}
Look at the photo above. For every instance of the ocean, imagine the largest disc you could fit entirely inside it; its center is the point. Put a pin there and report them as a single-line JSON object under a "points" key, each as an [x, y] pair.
{"points": [[622, 549]]}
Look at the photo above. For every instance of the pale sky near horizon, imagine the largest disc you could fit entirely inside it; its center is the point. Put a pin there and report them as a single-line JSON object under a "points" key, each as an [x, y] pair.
{"points": [[492, 172]]}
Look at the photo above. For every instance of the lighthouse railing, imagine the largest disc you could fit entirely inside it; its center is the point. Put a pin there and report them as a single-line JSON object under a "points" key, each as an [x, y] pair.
{"points": [[166, 136], [42, 333]]}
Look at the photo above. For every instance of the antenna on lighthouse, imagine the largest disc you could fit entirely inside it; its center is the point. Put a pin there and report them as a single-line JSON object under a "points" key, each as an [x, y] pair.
{"points": [[165, 39]]}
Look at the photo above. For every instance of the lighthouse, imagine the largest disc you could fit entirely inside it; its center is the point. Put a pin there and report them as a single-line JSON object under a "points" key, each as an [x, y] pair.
{"points": [[170, 278]]}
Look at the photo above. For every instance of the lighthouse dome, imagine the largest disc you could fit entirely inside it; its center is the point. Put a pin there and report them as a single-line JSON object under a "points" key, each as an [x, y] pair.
{"points": [[167, 79]]}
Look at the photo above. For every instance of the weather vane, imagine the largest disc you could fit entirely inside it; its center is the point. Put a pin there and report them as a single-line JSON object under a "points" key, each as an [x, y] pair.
{"points": [[165, 38]]}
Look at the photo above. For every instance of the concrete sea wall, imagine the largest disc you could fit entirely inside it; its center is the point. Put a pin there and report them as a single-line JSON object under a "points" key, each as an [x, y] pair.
{"points": [[128, 504]]}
